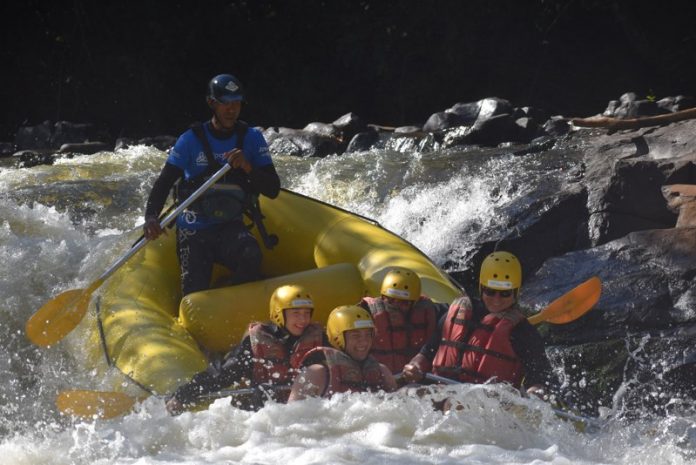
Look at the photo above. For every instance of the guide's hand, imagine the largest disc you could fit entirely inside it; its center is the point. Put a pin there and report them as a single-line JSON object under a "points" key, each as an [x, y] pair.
{"points": [[236, 159], [152, 228]]}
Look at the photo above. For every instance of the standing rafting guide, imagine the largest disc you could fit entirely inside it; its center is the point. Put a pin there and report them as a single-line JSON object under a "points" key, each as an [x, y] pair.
{"points": [[212, 229]]}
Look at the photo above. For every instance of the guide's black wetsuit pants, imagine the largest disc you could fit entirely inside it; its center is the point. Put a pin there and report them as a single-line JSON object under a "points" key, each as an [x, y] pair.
{"points": [[229, 244]]}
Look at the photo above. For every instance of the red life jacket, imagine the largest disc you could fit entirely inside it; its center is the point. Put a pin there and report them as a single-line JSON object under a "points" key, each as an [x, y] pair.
{"points": [[273, 363], [399, 336], [346, 374], [475, 352]]}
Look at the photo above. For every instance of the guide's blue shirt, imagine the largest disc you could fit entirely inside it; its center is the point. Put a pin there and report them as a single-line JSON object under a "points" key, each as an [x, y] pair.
{"points": [[188, 154]]}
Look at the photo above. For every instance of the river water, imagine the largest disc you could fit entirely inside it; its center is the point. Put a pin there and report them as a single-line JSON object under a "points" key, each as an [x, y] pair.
{"points": [[62, 225]]}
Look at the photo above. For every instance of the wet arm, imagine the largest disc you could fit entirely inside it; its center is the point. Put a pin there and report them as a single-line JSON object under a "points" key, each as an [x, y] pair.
{"points": [[529, 347], [265, 180], [237, 366], [160, 190], [311, 382]]}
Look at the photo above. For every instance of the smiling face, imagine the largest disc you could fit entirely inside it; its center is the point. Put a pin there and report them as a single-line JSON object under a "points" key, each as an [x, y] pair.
{"points": [[225, 114], [297, 319], [399, 304], [497, 301], [358, 343]]}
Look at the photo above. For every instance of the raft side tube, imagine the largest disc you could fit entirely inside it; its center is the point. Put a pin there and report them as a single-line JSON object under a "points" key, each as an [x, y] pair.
{"points": [[218, 318], [314, 234], [139, 306], [376, 250]]}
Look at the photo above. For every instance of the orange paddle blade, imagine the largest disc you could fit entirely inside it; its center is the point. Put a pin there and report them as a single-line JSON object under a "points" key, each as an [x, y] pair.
{"points": [[94, 404], [571, 305], [57, 317]]}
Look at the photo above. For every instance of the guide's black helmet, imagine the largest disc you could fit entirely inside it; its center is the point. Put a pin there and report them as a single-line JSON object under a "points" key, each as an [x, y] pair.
{"points": [[225, 88]]}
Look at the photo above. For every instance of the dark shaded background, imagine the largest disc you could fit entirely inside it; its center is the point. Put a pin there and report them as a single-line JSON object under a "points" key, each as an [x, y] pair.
{"points": [[141, 68]]}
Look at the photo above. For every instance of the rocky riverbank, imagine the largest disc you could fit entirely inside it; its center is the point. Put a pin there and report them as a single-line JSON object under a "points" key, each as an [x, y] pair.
{"points": [[487, 122]]}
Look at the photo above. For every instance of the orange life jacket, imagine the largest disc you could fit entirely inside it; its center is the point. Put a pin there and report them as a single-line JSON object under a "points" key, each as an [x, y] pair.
{"points": [[475, 352], [399, 335], [346, 374], [273, 362]]}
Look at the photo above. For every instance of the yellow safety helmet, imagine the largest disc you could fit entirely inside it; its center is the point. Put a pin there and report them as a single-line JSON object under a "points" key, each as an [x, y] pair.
{"points": [[402, 284], [501, 271], [345, 318], [289, 296]]}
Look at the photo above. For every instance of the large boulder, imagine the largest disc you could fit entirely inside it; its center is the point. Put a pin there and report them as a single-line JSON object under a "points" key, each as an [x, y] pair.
{"points": [[323, 129], [644, 325], [548, 225], [301, 143], [468, 114], [53, 136], [363, 141], [349, 126], [681, 199], [442, 121], [625, 174]]}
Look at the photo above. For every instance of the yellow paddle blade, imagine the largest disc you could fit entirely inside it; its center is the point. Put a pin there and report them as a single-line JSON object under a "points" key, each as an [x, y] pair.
{"points": [[57, 317], [571, 305], [94, 404]]}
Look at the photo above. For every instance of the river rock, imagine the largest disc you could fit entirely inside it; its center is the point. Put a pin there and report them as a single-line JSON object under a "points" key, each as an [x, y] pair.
{"points": [[323, 129], [84, 148], [550, 223], [442, 121], [625, 174], [300, 143], [408, 131], [47, 135], [630, 106], [349, 125], [677, 103], [648, 307], [468, 114], [556, 126], [30, 158], [363, 141], [163, 142], [65, 132], [681, 199], [34, 137], [494, 130]]}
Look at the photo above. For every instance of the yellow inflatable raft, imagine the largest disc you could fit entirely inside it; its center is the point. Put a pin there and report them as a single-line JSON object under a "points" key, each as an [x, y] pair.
{"points": [[159, 340]]}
